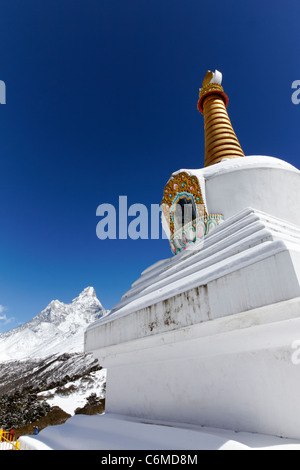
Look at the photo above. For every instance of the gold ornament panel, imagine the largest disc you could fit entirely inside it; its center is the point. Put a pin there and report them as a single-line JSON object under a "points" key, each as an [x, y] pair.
{"points": [[181, 183]]}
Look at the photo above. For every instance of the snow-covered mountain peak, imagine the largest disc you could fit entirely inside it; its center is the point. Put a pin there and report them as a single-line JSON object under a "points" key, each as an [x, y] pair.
{"points": [[88, 297], [87, 292], [55, 303], [57, 329]]}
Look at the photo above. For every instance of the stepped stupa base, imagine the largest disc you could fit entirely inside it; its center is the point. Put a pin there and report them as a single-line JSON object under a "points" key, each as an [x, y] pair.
{"points": [[208, 336]]}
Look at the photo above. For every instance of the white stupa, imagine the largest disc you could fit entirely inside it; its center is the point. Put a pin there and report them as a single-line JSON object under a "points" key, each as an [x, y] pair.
{"points": [[208, 336]]}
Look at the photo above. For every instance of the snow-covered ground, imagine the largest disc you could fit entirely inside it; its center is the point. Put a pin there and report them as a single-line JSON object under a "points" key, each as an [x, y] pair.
{"points": [[115, 432], [82, 389]]}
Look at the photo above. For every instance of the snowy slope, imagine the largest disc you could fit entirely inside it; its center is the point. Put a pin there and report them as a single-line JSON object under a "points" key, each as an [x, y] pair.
{"points": [[45, 373], [75, 392], [59, 328]]}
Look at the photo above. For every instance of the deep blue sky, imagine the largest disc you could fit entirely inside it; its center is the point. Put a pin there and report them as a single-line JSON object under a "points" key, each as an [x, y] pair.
{"points": [[101, 102]]}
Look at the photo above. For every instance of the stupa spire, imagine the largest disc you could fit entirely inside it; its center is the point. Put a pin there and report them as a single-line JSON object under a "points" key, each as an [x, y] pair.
{"points": [[220, 138]]}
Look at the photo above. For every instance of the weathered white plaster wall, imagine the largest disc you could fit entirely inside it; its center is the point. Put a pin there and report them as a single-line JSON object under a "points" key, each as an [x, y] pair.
{"points": [[219, 354], [250, 287], [235, 373]]}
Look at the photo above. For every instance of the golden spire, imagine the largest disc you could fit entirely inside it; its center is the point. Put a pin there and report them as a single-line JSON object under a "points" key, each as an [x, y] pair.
{"points": [[220, 139]]}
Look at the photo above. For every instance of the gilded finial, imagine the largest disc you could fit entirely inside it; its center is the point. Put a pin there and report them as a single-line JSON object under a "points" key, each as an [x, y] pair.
{"points": [[211, 84], [220, 139]]}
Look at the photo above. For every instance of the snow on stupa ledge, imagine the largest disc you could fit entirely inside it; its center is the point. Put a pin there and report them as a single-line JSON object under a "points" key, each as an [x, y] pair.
{"points": [[206, 336]]}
